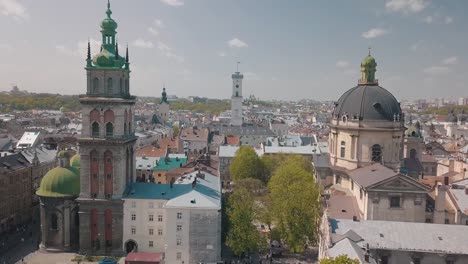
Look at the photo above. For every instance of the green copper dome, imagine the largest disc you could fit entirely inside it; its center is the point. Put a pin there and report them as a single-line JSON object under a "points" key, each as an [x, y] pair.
{"points": [[63, 154], [108, 25], [75, 161], [60, 182], [368, 61], [104, 58]]}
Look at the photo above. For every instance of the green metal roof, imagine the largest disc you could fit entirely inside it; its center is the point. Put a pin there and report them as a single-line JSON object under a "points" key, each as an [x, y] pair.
{"points": [[169, 164], [75, 161], [60, 182], [143, 190]]}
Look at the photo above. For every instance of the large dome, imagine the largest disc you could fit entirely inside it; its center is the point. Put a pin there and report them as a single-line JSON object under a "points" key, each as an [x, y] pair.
{"points": [[60, 182], [75, 161], [368, 102]]}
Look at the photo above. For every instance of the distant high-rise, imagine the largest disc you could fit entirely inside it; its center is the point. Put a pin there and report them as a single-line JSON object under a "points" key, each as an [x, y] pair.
{"points": [[236, 99]]}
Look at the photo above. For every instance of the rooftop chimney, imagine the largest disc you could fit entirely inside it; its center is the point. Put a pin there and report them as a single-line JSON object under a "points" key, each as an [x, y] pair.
{"points": [[194, 183], [446, 180], [366, 257]]}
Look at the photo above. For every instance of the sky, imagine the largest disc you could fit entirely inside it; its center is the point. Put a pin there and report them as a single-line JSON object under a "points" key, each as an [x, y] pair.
{"points": [[288, 50]]}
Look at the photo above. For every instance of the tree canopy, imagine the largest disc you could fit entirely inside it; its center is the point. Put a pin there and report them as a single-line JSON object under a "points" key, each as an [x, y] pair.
{"points": [[245, 164], [343, 259], [295, 202], [242, 237]]}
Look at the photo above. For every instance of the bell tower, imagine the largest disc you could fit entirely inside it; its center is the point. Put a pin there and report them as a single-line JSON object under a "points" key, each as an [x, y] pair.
{"points": [[107, 145], [236, 98]]}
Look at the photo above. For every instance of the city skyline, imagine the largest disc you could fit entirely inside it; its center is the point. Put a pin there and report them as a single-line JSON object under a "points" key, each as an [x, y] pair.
{"points": [[286, 52]]}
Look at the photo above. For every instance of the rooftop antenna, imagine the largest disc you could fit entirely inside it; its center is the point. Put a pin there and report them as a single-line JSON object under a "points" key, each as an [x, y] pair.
{"points": [[238, 66]]}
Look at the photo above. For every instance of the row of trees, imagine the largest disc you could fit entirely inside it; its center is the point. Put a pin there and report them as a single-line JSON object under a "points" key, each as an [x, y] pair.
{"points": [[26, 101], [277, 191], [211, 106]]}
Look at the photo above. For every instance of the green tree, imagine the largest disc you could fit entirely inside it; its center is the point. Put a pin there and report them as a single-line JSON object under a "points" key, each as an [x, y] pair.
{"points": [[175, 130], [245, 164], [342, 259], [295, 202], [242, 237], [254, 186]]}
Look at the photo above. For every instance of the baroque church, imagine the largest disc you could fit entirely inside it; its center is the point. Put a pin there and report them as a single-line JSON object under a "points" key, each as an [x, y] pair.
{"points": [[374, 163], [81, 199]]}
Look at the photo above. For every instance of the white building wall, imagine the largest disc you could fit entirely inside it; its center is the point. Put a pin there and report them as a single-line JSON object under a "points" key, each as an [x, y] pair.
{"points": [[173, 235], [142, 209]]}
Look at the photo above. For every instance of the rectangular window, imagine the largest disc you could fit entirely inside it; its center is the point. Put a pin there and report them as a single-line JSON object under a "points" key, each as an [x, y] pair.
{"points": [[160, 232], [179, 215], [447, 221], [179, 228], [179, 256], [133, 217], [133, 204], [160, 205], [179, 242], [151, 205], [151, 231], [150, 244], [160, 218], [395, 202], [133, 230], [150, 218]]}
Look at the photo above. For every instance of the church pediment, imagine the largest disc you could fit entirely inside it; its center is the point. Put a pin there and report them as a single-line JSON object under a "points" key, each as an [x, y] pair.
{"points": [[399, 183]]}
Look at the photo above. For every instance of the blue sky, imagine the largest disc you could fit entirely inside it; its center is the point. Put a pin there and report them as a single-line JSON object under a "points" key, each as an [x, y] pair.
{"points": [[288, 49]]}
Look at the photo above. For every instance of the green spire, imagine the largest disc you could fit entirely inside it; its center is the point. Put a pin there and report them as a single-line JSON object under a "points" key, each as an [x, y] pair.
{"points": [[164, 96], [368, 69], [127, 63], [88, 57], [109, 11]]}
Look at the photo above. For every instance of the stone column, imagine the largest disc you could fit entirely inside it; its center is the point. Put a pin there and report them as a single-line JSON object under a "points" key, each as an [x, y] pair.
{"points": [[66, 226], [44, 227]]}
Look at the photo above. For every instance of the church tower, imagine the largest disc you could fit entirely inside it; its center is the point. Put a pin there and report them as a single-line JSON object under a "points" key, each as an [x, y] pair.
{"points": [[107, 145], [236, 99], [163, 107]]}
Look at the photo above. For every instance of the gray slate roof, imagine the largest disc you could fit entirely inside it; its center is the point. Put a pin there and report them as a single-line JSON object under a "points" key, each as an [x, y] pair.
{"points": [[407, 236], [368, 102], [371, 174]]}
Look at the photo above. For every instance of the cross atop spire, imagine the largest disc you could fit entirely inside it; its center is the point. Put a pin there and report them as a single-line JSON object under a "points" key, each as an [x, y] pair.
{"points": [[369, 50], [109, 11], [238, 66]]}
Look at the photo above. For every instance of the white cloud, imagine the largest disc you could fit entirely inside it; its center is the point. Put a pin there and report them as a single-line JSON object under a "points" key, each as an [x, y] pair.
{"points": [[450, 60], [173, 2], [141, 43], [436, 70], [237, 43], [428, 19], [251, 76], [417, 46], [406, 6], [221, 54], [81, 49], [448, 20], [167, 51], [153, 31], [158, 23], [374, 33], [13, 8], [342, 64]]}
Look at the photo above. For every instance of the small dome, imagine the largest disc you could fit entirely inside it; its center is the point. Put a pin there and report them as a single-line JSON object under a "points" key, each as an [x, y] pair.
{"points": [[369, 60], [63, 154], [75, 161], [60, 182], [104, 59], [109, 25], [367, 102], [413, 131]]}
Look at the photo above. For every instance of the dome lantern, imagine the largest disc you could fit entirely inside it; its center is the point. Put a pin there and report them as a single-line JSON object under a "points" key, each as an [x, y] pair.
{"points": [[368, 69]]}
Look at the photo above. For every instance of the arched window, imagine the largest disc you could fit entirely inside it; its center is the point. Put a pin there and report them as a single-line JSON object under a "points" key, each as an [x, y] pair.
{"points": [[376, 153], [412, 153], [95, 129], [95, 85], [108, 172], [108, 228], [94, 222], [94, 115], [109, 129], [343, 149], [127, 83], [94, 173], [109, 86], [54, 222]]}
